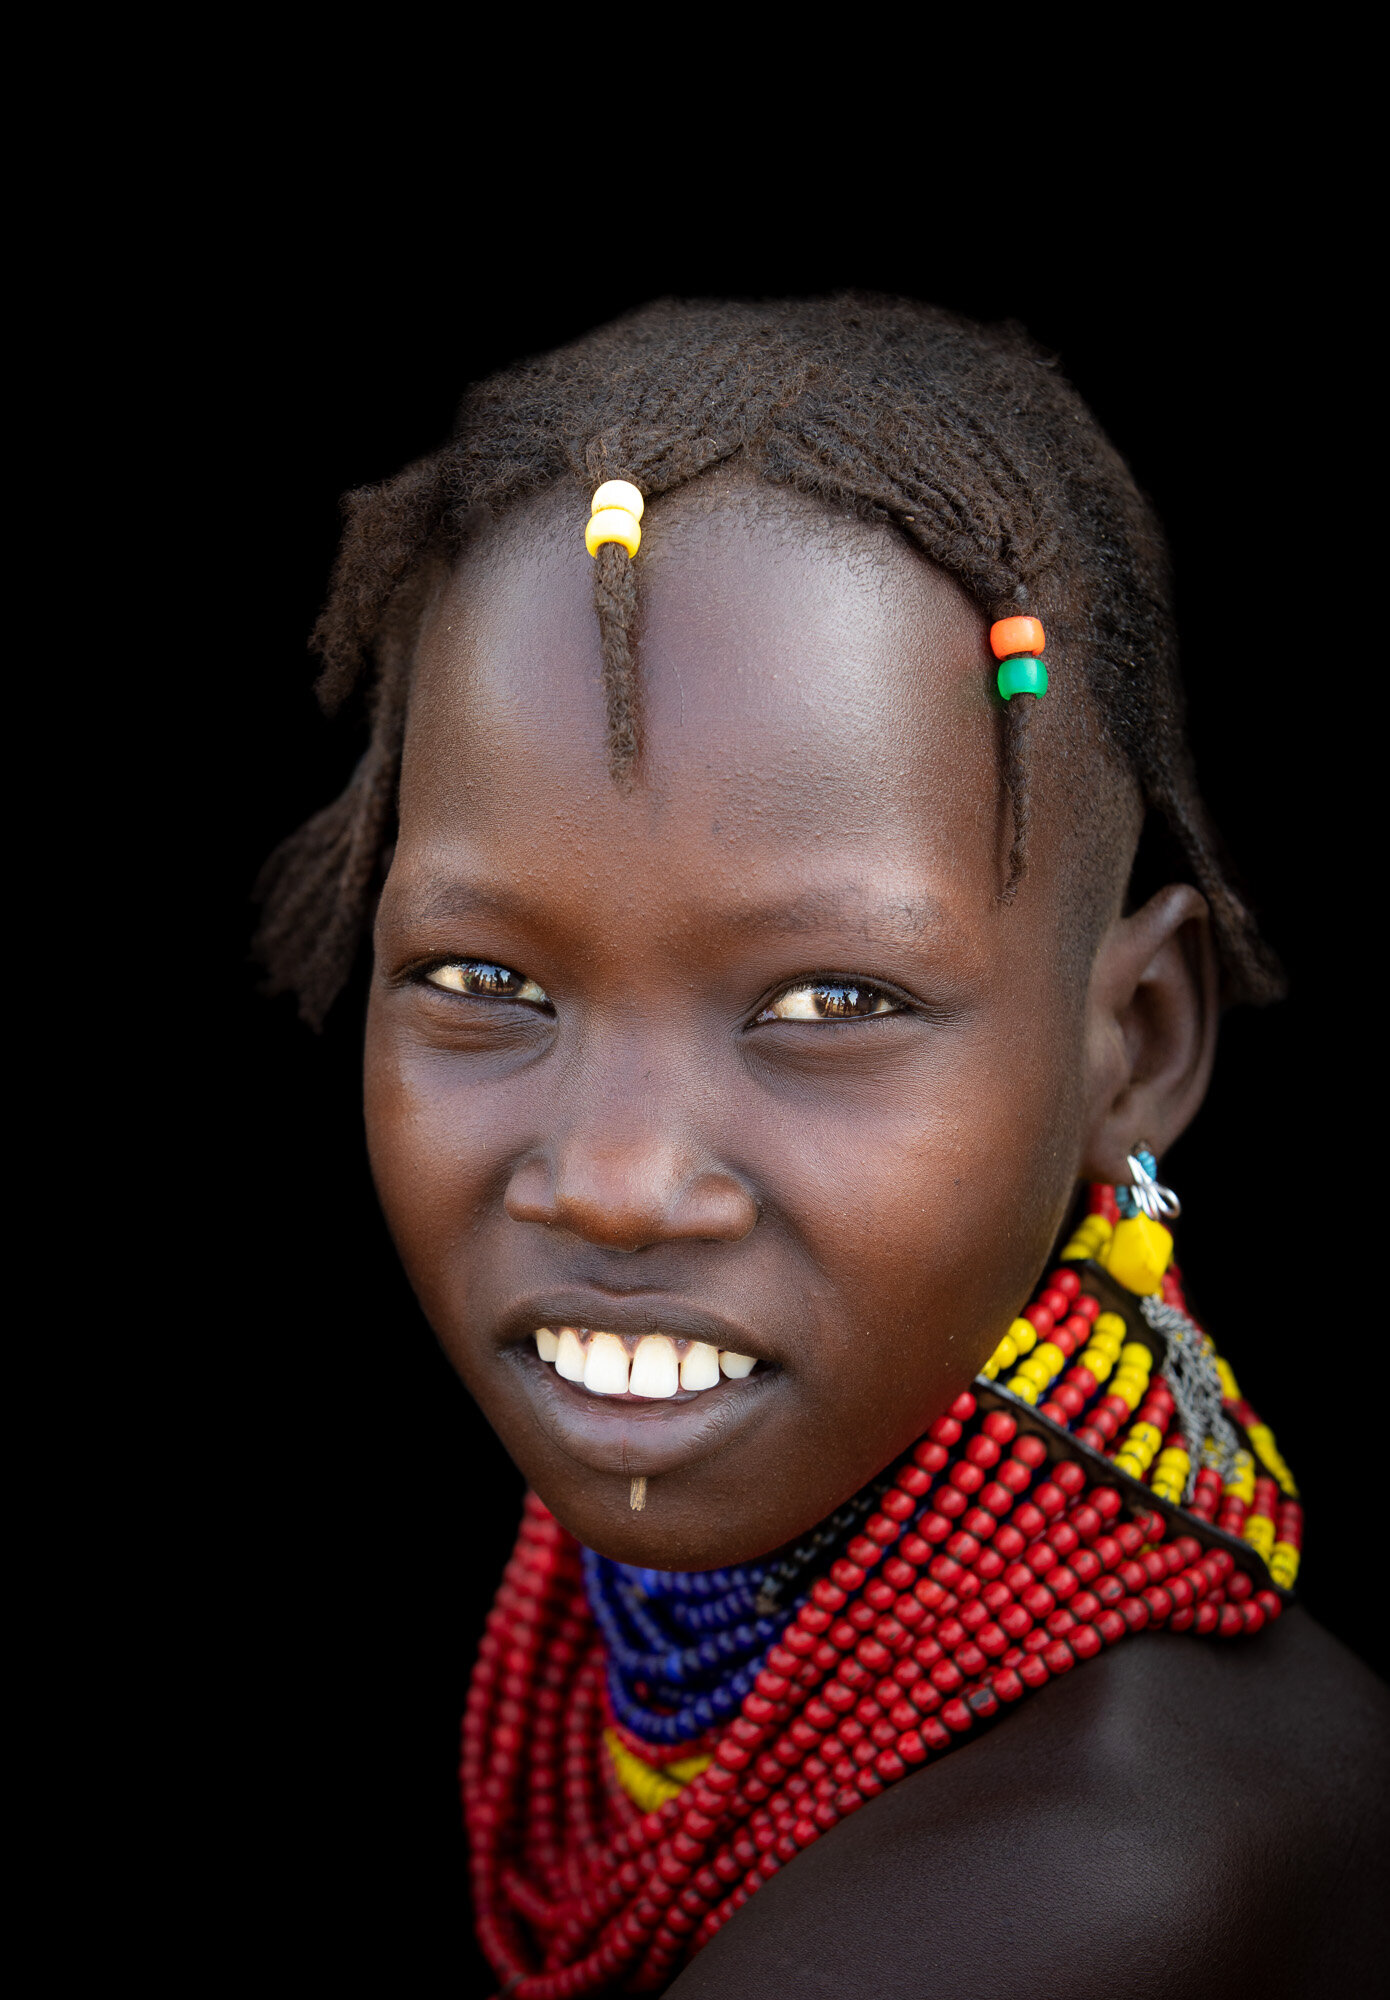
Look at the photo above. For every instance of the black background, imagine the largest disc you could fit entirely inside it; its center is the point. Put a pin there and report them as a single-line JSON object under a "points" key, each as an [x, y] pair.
{"points": [[349, 1510]]}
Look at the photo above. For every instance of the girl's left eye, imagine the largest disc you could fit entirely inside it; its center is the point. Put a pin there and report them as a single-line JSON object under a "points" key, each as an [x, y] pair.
{"points": [[482, 981], [830, 1000]]}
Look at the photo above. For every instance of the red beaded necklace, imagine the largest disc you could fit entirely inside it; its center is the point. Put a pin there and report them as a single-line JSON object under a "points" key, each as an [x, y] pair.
{"points": [[1006, 1547]]}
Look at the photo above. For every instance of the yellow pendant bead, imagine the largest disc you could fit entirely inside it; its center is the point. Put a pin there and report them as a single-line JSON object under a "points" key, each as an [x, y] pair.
{"points": [[1139, 1252]]}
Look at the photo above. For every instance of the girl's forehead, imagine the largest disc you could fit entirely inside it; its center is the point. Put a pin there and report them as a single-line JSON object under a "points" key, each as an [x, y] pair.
{"points": [[800, 672]]}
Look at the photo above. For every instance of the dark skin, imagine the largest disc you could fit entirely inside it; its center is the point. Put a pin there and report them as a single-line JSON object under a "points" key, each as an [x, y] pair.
{"points": [[658, 1113]]}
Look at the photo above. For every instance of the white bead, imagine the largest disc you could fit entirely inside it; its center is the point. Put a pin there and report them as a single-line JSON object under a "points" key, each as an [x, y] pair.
{"points": [[618, 493]]}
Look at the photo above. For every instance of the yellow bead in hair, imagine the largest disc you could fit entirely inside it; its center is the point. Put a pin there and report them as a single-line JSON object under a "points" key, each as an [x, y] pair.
{"points": [[612, 524]]}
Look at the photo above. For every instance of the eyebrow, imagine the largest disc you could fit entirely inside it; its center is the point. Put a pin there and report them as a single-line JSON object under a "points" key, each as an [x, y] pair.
{"points": [[467, 899], [906, 915], [816, 909]]}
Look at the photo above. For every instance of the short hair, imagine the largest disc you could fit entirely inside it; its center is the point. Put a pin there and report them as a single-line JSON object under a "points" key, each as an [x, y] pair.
{"points": [[966, 438]]}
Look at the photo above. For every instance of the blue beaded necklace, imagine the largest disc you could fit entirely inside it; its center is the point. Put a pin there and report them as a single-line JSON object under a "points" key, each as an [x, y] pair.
{"points": [[685, 1647]]}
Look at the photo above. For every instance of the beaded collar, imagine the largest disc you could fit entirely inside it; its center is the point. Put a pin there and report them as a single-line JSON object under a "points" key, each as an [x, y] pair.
{"points": [[642, 1750]]}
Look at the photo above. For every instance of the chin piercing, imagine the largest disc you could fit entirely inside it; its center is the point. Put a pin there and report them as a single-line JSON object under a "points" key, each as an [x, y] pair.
{"points": [[637, 1495]]}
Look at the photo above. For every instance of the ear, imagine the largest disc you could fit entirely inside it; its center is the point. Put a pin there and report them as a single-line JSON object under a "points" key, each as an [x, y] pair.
{"points": [[1151, 1030]]}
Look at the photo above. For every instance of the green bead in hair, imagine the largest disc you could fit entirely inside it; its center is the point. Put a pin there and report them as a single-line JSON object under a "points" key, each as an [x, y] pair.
{"points": [[1022, 673]]}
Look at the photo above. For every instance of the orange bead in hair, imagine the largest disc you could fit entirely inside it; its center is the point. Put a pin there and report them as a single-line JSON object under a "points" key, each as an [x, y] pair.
{"points": [[1016, 635]]}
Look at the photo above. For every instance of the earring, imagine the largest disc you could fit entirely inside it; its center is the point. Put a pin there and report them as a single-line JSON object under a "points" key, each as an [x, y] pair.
{"points": [[1146, 1197], [1141, 1249]]}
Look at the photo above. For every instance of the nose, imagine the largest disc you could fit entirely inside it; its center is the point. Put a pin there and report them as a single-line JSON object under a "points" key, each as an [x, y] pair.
{"points": [[628, 1193]]}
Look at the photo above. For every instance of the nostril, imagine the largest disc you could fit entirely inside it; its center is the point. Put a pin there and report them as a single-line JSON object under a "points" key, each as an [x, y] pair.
{"points": [[530, 1192]]}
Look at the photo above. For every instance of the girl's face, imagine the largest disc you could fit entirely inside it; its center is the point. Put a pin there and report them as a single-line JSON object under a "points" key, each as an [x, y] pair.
{"points": [[749, 1055]]}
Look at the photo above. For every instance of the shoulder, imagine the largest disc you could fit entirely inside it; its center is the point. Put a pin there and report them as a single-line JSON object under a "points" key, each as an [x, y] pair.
{"points": [[1173, 1818]]}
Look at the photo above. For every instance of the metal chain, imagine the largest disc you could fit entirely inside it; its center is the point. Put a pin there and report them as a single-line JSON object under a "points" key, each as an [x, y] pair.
{"points": [[1190, 1371]]}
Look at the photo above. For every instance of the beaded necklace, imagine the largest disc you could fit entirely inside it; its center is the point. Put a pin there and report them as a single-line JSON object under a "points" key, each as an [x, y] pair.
{"points": [[643, 1750]]}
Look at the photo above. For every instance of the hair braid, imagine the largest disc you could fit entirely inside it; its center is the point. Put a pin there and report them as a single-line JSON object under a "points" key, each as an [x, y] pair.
{"points": [[967, 438], [615, 600], [1016, 747]]}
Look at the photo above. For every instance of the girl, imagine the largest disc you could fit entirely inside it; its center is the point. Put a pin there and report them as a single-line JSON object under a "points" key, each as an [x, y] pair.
{"points": [[786, 981]]}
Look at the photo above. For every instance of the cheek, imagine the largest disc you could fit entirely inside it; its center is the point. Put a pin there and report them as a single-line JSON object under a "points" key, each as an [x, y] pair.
{"points": [[427, 1157], [931, 1221]]}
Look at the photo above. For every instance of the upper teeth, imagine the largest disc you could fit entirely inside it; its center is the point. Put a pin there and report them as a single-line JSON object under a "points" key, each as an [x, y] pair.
{"points": [[655, 1369]]}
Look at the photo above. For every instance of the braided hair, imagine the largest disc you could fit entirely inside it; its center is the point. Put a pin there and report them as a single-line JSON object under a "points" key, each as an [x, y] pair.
{"points": [[966, 438]]}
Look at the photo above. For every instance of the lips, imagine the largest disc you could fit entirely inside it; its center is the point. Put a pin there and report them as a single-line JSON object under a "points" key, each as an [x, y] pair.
{"points": [[650, 1366]]}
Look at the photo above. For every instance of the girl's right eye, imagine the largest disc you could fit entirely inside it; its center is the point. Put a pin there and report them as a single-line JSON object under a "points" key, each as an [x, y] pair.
{"points": [[481, 980]]}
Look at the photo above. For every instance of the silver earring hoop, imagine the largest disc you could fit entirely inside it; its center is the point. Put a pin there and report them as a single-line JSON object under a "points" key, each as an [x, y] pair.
{"points": [[1160, 1204]]}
